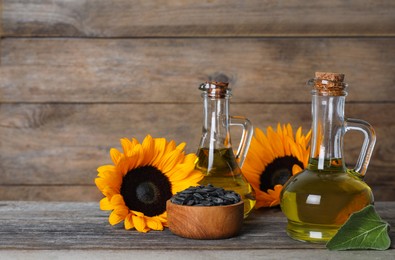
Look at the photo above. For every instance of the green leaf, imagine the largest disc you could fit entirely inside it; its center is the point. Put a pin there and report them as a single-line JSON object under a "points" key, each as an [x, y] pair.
{"points": [[363, 230]]}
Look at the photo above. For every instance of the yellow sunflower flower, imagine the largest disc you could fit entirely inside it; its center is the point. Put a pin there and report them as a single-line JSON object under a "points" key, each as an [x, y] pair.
{"points": [[272, 159], [142, 179]]}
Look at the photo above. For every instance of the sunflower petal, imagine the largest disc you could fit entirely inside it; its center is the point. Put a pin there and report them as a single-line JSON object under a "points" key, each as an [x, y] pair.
{"points": [[148, 147], [181, 146], [159, 150], [117, 200], [101, 184], [308, 136], [295, 151], [263, 199], [280, 132], [296, 169], [169, 161], [290, 132], [275, 194], [136, 158], [110, 179], [275, 142], [298, 135], [185, 172], [115, 218], [170, 146], [124, 164], [105, 204], [266, 144], [154, 223], [110, 191], [139, 224], [106, 168], [127, 146], [115, 155], [129, 222]]}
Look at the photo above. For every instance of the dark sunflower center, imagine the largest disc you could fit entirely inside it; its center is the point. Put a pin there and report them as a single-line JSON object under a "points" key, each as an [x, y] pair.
{"points": [[278, 172], [147, 192], [146, 189]]}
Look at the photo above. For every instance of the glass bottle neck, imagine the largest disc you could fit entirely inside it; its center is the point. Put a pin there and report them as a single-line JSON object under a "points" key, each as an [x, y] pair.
{"points": [[327, 133], [215, 132]]}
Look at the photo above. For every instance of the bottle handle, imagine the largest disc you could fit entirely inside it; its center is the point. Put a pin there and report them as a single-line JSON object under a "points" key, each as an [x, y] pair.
{"points": [[367, 146], [245, 137]]}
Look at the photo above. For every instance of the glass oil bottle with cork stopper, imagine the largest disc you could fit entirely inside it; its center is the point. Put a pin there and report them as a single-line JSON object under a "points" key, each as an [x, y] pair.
{"points": [[318, 200], [216, 158]]}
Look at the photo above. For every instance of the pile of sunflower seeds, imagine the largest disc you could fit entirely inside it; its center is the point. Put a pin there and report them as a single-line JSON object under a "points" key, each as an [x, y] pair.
{"points": [[205, 196]]}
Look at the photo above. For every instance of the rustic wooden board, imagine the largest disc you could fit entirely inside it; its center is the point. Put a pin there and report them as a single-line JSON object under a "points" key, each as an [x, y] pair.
{"points": [[125, 18], [196, 254], [29, 227], [63, 144], [50, 192], [169, 70]]}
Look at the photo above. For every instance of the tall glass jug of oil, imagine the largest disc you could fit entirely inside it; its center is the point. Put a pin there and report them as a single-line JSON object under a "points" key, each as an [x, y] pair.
{"points": [[216, 159], [320, 199]]}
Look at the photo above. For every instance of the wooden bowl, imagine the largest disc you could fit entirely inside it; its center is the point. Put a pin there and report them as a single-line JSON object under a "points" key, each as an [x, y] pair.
{"points": [[205, 222]]}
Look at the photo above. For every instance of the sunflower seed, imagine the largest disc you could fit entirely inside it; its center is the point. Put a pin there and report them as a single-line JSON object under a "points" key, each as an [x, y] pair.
{"points": [[218, 200], [198, 196], [190, 202], [207, 203]]}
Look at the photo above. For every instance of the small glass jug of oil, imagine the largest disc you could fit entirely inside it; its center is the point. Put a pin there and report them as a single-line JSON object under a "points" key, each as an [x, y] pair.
{"points": [[318, 200], [216, 159]]}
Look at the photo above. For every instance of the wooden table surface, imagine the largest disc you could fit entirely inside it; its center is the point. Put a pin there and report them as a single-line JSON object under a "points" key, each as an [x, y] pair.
{"points": [[64, 230]]}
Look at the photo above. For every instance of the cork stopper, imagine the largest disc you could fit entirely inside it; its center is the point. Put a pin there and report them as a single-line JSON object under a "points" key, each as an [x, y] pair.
{"points": [[330, 76], [329, 84], [216, 89]]}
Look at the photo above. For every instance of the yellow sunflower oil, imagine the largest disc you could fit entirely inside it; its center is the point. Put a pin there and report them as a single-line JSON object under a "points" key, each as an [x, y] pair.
{"points": [[317, 202], [320, 199], [223, 171], [216, 159]]}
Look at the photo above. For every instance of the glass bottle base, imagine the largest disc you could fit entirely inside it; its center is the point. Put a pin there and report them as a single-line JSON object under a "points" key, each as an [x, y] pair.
{"points": [[312, 233]]}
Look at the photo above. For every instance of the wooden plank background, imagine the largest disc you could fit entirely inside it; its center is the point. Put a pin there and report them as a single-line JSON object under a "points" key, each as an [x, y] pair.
{"points": [[77, 75]]}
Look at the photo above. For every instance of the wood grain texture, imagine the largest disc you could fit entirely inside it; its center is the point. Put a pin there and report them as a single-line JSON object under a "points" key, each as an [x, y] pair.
{"points": [[82, 226], [63, 144], [169, 70], [214, 222], [50, 192], [124, 18], [77, 75], [191, 254]]}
